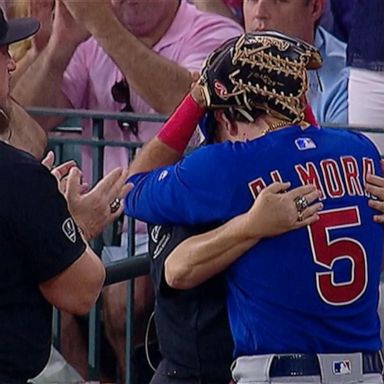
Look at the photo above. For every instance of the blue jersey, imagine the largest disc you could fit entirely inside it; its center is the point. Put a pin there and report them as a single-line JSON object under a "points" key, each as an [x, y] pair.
{"points": [[313, 290]]}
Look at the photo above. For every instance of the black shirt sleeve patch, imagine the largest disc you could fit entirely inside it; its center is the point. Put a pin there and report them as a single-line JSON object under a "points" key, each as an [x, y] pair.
{"points": [[69, 229]]}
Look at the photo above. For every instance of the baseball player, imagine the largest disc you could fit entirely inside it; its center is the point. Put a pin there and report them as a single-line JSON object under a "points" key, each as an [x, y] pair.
{"points": [[192, 325], [302, 306]]}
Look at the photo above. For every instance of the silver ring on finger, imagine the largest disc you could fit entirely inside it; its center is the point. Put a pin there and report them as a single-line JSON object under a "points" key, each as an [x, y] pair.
{"points": [[114, 205], [301, 203]]}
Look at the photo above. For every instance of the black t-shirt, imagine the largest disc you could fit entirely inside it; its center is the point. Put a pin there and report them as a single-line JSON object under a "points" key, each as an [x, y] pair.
{"points": [[38, 240], [192, 325]]}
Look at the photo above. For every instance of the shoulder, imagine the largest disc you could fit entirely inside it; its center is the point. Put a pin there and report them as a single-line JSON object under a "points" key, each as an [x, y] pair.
{"points": [[33, 178], [331, 103], [15, 162], [351, 138], [206, 23], [363, 140], [27, 186], [329, 45], [334, 97], [212, 156], [334, 54], [220, 164], [201, 167]]}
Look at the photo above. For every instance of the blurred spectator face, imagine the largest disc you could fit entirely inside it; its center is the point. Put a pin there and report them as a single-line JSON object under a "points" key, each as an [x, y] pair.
{"points": [[292, 17], [143, 17], [7, 65]]}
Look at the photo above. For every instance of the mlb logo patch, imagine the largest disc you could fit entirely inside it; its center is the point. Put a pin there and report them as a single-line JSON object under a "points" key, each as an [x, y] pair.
{"points": [[304, 143], [342, 367]]}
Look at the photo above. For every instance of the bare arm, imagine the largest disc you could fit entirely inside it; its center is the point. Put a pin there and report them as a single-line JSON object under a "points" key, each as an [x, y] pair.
{"points": [[157, 153], [23, 64], [77, 288], [160, 82], [42, 10], [26, 133], [203, 256], [40, 84], [154, 154]]}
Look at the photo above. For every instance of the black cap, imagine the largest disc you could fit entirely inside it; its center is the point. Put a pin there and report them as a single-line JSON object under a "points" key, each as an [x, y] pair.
{"points": [[16, 30]]}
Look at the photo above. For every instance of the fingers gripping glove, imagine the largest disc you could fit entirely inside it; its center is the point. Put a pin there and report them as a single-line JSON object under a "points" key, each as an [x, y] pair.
{"points": [[260, 71]]}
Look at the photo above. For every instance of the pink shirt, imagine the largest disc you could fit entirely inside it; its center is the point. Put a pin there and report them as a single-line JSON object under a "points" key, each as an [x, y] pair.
{"points": [[91, 74]]}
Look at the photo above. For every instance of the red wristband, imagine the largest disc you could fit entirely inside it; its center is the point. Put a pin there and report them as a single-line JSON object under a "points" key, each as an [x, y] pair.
{"points": [[179, 128]]}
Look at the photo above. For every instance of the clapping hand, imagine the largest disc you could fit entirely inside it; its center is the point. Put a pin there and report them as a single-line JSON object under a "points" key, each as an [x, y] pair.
{"points": [[100, 206]]}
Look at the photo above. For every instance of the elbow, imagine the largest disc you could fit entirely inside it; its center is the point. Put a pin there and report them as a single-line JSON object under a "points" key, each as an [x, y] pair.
{"points": [[178, 277], [175, 282], [83, 305], [80, 308], [76, 289], [86, 296], [90, 295]]}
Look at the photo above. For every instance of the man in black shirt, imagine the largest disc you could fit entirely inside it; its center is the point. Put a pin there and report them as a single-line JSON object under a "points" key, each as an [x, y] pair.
{"points": [[192, 326], [45, 258]]}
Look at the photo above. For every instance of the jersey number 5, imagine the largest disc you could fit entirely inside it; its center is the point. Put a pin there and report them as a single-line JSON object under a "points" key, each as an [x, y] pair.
{"points": [[326, 252]]}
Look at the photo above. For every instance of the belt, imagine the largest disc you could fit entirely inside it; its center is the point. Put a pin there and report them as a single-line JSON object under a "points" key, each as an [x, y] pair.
{"points": [[302, 364]]}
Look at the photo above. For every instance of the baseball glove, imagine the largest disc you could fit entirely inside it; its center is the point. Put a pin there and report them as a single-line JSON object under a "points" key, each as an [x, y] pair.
{"points": [[260, 71]]}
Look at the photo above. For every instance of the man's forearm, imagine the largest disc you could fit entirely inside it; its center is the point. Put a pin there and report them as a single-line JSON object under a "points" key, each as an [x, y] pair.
{"points": [[26, 133], [153, 155], [40, 84], [168, 146], [22, 65], [274, 212], [201, 257]]}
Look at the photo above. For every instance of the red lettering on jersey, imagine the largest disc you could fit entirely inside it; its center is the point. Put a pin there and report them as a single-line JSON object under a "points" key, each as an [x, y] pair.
{"points": [[327, 250], [275, 176], [351, 176], [332, 178], [309, 175], [256, 186]]}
